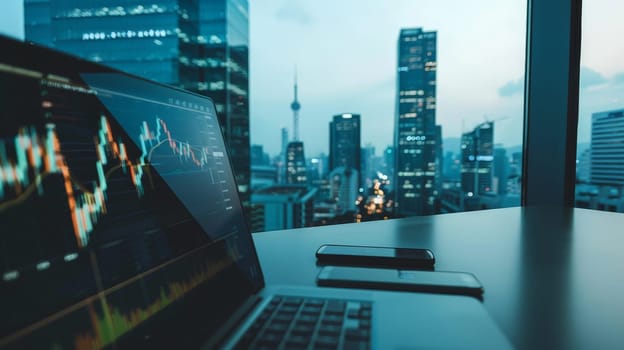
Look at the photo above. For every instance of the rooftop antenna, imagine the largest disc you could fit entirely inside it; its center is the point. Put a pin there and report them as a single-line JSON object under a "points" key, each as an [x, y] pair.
{"points": [[295, 106]]}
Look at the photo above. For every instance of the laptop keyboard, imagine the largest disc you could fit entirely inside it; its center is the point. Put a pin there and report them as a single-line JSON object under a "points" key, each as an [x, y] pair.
{"points": [[310, 323]]}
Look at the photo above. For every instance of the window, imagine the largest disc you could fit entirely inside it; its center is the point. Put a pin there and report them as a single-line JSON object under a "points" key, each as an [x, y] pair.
{"points": [[415, 71], [438, 95], [600, 147]]}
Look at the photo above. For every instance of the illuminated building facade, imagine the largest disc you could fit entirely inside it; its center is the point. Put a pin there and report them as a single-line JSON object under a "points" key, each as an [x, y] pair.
{"points": [[201, 46], [296, 169], [416, 135]]}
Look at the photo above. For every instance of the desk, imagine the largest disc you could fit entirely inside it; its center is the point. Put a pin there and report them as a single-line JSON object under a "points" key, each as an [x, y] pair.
{"points": [[553, 277]]}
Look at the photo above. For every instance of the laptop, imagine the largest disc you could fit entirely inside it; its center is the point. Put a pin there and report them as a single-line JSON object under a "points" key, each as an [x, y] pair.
{"points": [[121, 227]]}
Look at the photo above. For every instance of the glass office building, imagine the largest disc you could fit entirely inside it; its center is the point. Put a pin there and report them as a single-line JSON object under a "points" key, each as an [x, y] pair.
{"points": [[416, 135], [202, 46], [605, 158], [607, 151]]}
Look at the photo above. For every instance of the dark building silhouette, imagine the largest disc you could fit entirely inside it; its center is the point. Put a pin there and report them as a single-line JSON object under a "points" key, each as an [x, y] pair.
{"points": [[501, 170], [343, 184], [477, 159], [440, 156], [344, 142], [369, 164], [388, 158], [416, 134], [202, 46], [258, 156]]}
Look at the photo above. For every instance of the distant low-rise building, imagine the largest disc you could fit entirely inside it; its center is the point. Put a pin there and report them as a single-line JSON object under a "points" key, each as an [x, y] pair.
{"points": [[283, 207], [263, 176]]}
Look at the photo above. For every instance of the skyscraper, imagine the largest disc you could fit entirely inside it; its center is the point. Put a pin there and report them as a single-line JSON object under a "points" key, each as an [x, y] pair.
{"points": [[607, 152], [202, 46], [344, 142], [477, 159], [416, 135]]}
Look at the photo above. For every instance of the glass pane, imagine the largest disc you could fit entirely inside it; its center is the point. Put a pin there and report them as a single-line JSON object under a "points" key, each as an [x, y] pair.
{"points": [[402, 110], [600, 149]]}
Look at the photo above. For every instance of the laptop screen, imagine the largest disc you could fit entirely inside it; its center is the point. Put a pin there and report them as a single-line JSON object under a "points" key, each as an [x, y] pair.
{"points": [[119, 213]]}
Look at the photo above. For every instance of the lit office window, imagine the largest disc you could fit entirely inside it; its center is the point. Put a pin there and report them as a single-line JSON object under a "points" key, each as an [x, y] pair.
{"points": [[600, 149], [438, 97]]}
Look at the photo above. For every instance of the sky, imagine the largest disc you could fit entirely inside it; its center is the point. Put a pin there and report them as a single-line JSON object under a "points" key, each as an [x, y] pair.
{"points": [[344, 52]]}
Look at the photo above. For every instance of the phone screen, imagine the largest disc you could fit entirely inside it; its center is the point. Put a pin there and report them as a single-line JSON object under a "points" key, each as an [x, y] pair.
{"points": [[407, 280], [403, 253]]}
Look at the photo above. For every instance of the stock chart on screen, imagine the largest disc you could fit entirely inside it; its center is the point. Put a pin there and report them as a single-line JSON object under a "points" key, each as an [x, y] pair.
{"points": [[116, 202]]}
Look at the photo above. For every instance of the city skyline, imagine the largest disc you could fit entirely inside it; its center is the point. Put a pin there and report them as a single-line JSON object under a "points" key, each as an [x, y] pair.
{"points": [[355, 71], [362, 74], [468, 30]]}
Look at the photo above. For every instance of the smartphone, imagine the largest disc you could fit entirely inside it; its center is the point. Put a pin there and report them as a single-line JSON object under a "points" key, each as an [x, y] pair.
{"points": [[375, 256], [403, 280]]}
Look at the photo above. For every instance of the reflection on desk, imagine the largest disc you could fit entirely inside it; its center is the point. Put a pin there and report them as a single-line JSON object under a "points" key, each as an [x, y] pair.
{"points": [[553, 277]]}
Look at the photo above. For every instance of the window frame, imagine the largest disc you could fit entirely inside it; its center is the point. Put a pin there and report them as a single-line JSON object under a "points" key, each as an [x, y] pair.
{"points": [[551, 99]]}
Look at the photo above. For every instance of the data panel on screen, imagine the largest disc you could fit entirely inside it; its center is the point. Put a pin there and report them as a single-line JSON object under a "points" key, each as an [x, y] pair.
{"points": [[116, 201]]}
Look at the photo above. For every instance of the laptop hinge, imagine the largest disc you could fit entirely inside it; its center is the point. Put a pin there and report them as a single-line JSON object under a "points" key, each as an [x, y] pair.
{"points": [[230, 325]]}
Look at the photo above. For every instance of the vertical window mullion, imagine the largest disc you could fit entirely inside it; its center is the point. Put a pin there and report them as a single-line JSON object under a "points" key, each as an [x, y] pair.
{"points": [[551, 102]]}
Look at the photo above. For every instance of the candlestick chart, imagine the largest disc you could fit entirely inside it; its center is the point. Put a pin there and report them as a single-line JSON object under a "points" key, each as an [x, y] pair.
{"points": [[84, 182], [37, 156], [115, 204]]}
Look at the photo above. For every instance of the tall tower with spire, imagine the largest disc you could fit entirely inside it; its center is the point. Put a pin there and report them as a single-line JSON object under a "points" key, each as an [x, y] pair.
{"points": [[295, 106], [296, 171]]}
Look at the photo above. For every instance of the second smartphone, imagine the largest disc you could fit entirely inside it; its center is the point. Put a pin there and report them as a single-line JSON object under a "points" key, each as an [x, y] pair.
{"points": [[402, 280], [375, 256]]}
